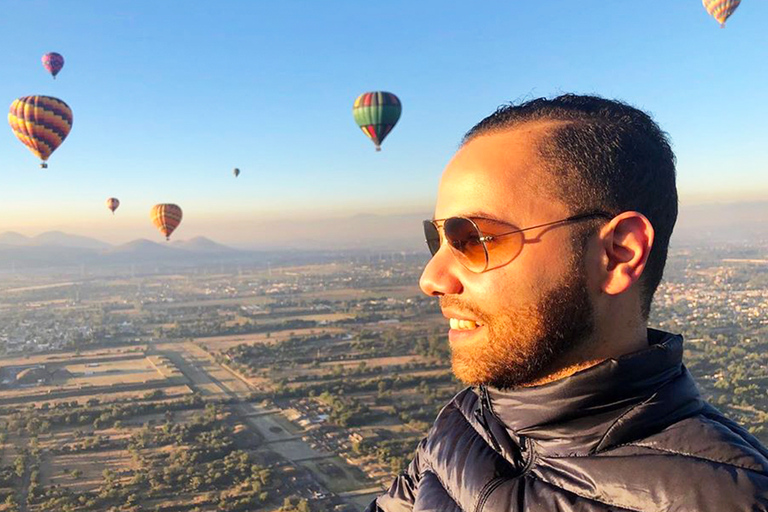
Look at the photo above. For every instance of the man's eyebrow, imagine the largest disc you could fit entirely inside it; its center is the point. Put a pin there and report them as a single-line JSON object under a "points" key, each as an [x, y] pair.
{"points": [[479, 214], [489, 216]]}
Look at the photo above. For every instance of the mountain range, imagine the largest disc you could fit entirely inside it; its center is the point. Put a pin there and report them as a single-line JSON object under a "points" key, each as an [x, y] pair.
{"points": [[309, 241], [55, 248], [59, 239]]}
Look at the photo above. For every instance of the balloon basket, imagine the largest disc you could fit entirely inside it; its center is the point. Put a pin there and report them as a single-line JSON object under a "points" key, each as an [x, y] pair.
{"points": [[43, 165]]}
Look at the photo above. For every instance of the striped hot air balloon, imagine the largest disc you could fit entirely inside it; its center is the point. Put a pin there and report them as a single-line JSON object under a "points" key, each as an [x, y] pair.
{"points": [[376, 113], [166, 217], [721, 10], [112, 204], [41, 123], [53, 62]]}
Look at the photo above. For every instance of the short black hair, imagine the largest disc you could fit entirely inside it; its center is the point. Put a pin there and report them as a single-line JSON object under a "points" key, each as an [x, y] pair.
{"points": [[603, 155]]}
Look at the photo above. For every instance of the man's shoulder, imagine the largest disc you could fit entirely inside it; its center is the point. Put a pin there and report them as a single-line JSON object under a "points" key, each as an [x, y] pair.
{"points": [[456, 418], [461, 405], [703, 463], [707, 437]]}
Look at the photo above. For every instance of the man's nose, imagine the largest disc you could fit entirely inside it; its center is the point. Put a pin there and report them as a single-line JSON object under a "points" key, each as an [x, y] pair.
{"points": [[440, 275]]}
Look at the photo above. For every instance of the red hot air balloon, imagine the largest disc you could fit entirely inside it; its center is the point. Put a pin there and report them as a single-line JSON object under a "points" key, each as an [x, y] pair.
{"points": [[166, 218], [53, 62], [112, 204]]}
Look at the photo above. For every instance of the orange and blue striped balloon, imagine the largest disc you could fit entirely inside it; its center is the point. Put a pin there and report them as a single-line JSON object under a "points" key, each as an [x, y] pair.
{"points": [[376, 113], [721, 10], [41, 123], [166, 217]]}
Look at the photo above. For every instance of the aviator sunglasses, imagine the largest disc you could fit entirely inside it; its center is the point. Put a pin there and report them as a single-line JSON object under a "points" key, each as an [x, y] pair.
{"points": [[482, 244]]}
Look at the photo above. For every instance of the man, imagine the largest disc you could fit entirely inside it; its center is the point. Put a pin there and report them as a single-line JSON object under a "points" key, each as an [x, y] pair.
{"points": [[549, 240]]}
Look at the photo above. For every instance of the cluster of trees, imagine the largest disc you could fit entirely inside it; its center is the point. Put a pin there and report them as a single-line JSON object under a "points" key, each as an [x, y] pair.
{"points": [[394, 454], [433, 346], [294, 350], [294, 504], [41, 420], [340, 386], [24, 472], [11, 477], [89, 444], [345, 411], [218, 326], [203, 459]]}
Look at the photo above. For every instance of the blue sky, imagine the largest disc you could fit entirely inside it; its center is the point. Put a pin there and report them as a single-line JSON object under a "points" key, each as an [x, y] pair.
{"points": [[169, 96]]}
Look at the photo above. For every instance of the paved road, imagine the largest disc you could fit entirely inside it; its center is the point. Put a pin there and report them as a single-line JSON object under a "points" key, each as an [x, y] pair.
{"points": [[211, 379]]}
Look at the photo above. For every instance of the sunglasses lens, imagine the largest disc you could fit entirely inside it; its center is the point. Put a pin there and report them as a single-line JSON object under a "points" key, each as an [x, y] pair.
{"points": [[432, 236], [464, 239], [503, 244]]}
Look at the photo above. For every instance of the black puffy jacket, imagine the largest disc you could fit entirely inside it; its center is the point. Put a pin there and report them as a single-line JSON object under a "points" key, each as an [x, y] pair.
{"points": [[629, 434]]}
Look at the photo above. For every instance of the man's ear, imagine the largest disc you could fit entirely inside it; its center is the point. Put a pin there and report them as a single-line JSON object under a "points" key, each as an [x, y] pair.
{"points": [[626, 243]]}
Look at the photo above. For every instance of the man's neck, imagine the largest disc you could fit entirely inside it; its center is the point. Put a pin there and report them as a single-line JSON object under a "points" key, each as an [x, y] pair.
{"points": [[595, 350]]}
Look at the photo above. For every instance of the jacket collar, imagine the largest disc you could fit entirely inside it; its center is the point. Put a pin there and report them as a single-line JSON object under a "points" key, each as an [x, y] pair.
{"points": [[610, 403]]}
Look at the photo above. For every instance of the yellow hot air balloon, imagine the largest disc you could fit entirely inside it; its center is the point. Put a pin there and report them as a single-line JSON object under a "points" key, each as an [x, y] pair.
{"points": [[721, 10], [41, 123], [112, 204], [166, 217]]}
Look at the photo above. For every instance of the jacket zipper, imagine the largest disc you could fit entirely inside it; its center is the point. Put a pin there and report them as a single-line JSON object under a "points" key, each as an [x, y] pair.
{"points": [[485, 403], [494, 484], [525, 449]]}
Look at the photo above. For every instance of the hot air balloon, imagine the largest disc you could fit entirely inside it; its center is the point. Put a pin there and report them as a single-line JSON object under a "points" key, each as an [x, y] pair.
{"points": [[112, 204], [53, 62], [376, 113], [166, 218], [41, 123], [236, 172], [721, 10]]}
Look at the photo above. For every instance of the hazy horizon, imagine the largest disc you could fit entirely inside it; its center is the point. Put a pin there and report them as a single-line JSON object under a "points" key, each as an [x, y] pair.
{"points": [[398, 230]]}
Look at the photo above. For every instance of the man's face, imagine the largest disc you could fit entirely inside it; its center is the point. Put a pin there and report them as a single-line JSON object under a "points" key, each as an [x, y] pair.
{"points": [[529, 313]]}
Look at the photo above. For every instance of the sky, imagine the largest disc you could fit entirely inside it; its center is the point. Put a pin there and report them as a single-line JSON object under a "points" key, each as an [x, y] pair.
{"points": [[169, 96]]}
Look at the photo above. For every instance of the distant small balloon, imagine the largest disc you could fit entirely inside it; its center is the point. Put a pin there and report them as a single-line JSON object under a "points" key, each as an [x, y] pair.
{"points": [[236, 172], [53, 62], [112, 204], [721, 10], [166, 217]]}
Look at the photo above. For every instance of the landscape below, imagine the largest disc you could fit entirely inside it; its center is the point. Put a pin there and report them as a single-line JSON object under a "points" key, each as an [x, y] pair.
{"points": [[281, 385]]}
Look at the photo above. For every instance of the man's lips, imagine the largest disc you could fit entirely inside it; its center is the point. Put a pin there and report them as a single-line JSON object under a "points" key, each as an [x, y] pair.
{"points": [[459, 321], [463, 325]]}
